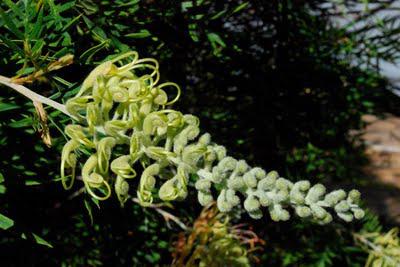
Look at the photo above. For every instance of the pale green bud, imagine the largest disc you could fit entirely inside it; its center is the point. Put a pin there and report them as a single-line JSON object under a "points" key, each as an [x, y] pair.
{"points": [[315, 193], [278, 213], [121, 189], [318, 211], [222, 204], [218, 176], [203, 185], [354, 196], [265, 184], [227, 164], [281, 196], [259, 173], [241, 167], [334, 197], [283, 184], [303, 211], [273, 175], [303, 185], [342, 206], [358, 213], [205, 139], [210, 154], [236, 183], [327, 219], [297, 197], [251, 204], [221, 152], [204, 198], [264, 199], [232, 198], [250, 180], [346, 216]]}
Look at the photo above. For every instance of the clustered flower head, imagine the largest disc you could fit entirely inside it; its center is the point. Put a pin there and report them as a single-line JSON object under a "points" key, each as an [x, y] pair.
{"points": [[124, 122]]}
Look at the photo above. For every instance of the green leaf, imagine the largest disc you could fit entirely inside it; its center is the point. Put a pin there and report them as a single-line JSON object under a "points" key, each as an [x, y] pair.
{"points": [[215, 39], [5, 222], [130, 3], [88, 54], [11, 25], [1, 178], [66, 6], [89, 210], [141, 34], [26, 71], [21, 123], [31, 182], [38, 28], [218, 15], [8, 106], [55, 14], [240, 7], [186, 5], [37, 48], [12, 45], [69, 24], [14, 8], [39, 240]]}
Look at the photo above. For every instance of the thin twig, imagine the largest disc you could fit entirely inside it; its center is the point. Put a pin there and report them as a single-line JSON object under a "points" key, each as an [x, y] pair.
{"points": [[166, 215], [34, 96]]}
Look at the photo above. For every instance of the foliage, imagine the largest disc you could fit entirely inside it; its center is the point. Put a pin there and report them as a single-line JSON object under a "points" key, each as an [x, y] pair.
{"points": [[5, 222], [383, 248], [213, 241]]}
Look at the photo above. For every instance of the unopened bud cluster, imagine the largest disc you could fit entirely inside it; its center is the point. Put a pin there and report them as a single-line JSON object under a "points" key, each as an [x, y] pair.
{"points": [[260, 189]]}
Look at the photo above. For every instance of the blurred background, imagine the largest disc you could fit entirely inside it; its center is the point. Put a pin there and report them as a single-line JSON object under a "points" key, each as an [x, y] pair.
{"points": [[308, 88]]}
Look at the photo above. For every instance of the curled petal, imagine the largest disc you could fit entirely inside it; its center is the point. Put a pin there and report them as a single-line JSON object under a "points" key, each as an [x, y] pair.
{"points": [[121, 166], [178, 92], [155, 123], [121, 188], [119, 94], [117, 129], [93, 180], [93, 116], [104, 149], [77, 106], [68, 160], [159, 153], [77, 133], [147, 183]]}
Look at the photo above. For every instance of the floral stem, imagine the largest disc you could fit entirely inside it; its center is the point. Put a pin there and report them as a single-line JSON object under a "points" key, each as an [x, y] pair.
{"points": [[33, 96]]}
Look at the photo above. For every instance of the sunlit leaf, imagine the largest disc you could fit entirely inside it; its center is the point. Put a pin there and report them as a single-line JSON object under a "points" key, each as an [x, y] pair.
{"points": [[8, 106], [141, 34], [5, 222], [39, 240]]}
